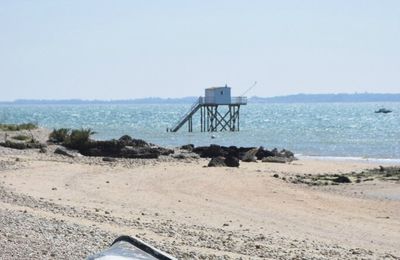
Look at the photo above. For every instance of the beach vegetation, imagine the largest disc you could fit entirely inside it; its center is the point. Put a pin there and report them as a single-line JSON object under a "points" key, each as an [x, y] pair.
{"points": [[79, 138], [21, 137], [59, 135], [18, 127]]}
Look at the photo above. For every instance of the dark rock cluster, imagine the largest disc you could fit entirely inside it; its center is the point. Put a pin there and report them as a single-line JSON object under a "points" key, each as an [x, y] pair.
{"points": [[21, 145], [221, 161], [391, 173], [223, 156], [125, 147], [73, 143]]}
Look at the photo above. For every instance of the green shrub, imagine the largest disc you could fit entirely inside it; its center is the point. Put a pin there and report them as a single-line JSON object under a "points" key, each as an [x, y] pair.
{"points": [[28, 126], [79, 139], [16, 127], [59, 135], [21, 137]]}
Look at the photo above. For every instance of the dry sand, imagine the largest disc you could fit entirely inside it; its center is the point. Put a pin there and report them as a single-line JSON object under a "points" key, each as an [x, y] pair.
{"points": [[53, 207]]}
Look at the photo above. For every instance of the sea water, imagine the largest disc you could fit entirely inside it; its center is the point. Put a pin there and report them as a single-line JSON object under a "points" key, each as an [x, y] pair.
{"points": [[316, 129]]}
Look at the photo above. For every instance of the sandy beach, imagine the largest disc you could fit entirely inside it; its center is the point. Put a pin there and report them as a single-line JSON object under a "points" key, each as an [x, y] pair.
{"points": [[55, 207]]}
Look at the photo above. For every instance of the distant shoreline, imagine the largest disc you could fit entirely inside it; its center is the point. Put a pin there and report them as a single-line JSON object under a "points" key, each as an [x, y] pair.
{"points": [[298, 98]]}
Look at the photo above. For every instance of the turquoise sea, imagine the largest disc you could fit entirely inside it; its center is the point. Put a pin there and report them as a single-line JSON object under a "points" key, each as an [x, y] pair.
{"points": [[322, 129]]}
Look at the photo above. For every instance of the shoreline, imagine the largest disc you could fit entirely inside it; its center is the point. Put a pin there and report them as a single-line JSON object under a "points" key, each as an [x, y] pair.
{"points": [[386, 161]]}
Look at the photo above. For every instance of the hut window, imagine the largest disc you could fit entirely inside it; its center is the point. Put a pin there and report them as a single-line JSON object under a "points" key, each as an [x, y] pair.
{"points": [[222, 92]]}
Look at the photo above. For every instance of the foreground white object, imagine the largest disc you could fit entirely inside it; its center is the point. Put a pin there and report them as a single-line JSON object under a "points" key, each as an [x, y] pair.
{"points": [[128, 248]]}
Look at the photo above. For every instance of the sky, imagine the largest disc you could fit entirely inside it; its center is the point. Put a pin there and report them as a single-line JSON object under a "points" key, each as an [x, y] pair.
{"points": [[139, 48]]}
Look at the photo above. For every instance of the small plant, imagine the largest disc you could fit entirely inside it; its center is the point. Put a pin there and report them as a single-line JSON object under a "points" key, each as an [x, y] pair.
{"points": [[18, 127], [59, 135], [79, 138], [28, 126], [21, 137]]}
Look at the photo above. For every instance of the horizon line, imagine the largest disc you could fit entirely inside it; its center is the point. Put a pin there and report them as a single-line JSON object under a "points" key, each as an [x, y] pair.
{"points": [[190, 97]]}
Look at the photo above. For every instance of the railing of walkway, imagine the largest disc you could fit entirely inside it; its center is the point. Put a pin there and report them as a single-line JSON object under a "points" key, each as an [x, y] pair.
{"points": [[183, 118]]}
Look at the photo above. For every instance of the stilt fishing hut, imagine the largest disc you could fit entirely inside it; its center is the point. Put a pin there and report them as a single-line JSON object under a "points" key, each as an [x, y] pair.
{"points": [[212, 119]]}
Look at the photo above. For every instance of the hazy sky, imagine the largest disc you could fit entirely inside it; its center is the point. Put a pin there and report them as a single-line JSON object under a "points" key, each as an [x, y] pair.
{"points": [[132, 49]]}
